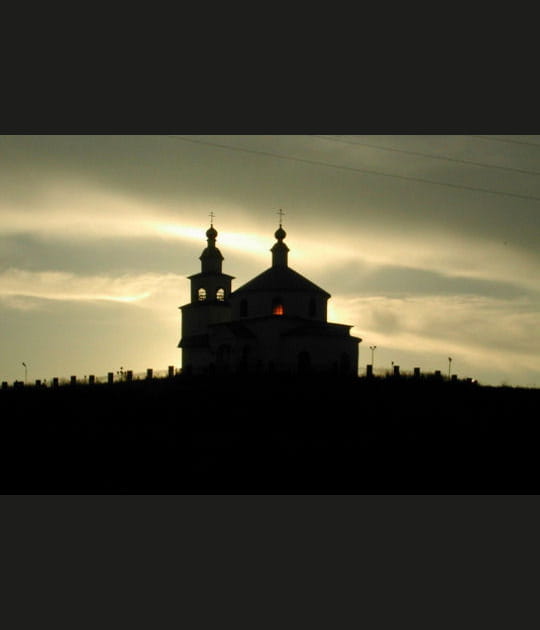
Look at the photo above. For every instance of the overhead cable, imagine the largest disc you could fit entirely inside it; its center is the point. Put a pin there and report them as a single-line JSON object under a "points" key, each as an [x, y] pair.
{"points": [[354, 169]]}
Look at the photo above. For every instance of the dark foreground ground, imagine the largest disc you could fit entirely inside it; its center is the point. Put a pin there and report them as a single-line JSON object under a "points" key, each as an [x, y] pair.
{"points": [[280, 435]]}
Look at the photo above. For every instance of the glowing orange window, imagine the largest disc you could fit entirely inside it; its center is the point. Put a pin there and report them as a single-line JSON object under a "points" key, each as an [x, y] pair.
{"points": [[277, 309]]}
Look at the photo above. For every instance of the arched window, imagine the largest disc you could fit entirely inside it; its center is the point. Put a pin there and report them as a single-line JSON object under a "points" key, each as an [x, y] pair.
{"points": [[244, 308], [201, 294], [312, 307], [220, 295], [277, 306]]}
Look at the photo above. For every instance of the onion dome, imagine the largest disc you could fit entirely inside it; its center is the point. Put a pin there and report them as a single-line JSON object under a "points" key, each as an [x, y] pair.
{"points": [[280, 233], [211, 257], [279, 250]]}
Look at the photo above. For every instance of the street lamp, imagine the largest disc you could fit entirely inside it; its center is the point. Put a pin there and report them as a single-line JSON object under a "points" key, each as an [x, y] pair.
{"points": [[25, 372], [372, 348], [449, 366]]}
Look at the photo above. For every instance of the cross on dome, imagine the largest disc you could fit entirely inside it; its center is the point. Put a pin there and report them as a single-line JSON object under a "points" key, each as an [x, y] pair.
{"points": [[280, 233], [211, 233], [279, 250]]}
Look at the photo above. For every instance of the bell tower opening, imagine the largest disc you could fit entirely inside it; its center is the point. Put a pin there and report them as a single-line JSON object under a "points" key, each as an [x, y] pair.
{"points": [[211, 285]]}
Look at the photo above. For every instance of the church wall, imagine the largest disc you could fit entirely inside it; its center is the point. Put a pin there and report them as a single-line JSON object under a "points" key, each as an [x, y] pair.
{"points": [[295, 304], [197, 317], [196, 360], [269, 349], [325, 353], [234, 352], [267, 334]]}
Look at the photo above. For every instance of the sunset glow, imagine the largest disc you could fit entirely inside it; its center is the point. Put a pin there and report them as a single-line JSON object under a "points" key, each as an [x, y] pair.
{"points": [[95, 249]]}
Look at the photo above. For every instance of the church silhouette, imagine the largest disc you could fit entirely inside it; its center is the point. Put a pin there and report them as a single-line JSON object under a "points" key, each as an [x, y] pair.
{"points": [[275, 323]]}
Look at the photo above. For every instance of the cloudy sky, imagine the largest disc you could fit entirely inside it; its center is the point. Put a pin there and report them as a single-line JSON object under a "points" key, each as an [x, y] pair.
{"points": [[427, 243]]}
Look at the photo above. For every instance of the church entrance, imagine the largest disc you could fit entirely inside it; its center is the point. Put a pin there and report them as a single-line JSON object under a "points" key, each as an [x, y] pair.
{"points": [[245, 361], [304, 362], [223, 358]]}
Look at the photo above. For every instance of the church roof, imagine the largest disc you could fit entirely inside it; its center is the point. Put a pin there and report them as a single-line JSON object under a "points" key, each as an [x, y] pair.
{"points": [[194, 341], [238, 329], [278, 279], [319, 329]]}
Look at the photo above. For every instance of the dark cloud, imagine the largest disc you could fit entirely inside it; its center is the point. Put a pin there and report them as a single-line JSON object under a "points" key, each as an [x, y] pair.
{"points": [[400, 281], [107, 255], [167, 170]]}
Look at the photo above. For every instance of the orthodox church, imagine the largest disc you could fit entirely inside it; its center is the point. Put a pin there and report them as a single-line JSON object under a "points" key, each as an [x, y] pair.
{"points": [[276, 322]]}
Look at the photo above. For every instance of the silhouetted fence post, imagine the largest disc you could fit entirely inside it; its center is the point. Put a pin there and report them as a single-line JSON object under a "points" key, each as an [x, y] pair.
{"points": [[454, 377], [396, 371], [91, 379], [149, 373], [38, 382], [4, 384], [129, 375], [416, 372], [170, 372], [73, 380], [55, 381], [438, 374], [110, 378], [369, 371]]}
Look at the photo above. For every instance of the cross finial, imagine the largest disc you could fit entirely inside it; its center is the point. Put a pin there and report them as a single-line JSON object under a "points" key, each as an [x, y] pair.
{"points": [[211, 215], [281, 213]]}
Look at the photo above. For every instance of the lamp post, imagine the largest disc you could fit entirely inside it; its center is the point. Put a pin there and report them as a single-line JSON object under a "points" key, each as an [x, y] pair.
{"points": [[372, 348], [25, 372], [449, 366]]}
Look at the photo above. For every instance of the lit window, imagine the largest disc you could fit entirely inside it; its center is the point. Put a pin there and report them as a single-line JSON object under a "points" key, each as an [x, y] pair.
{"points": [[220, 295], [277, 307], [202, 295]]}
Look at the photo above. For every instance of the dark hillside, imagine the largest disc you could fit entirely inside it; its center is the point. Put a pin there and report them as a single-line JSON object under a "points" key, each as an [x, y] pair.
{"points": [[270, 435]]}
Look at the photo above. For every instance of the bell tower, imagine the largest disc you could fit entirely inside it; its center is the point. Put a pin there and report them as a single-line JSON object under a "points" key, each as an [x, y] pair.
{"points": [[210, 291]]}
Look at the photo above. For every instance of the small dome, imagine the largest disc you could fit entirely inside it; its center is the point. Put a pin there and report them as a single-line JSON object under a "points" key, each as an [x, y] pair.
{"points": [[280, 233], [211, 232]]}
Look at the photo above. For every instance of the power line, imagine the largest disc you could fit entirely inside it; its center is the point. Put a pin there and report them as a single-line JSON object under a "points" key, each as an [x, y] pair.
{"points": [[430, 155], [355, 169]]}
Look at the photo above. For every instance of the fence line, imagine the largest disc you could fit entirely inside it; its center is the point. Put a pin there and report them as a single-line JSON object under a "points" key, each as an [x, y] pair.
{"points": [[91, 379], [121, 376]]}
